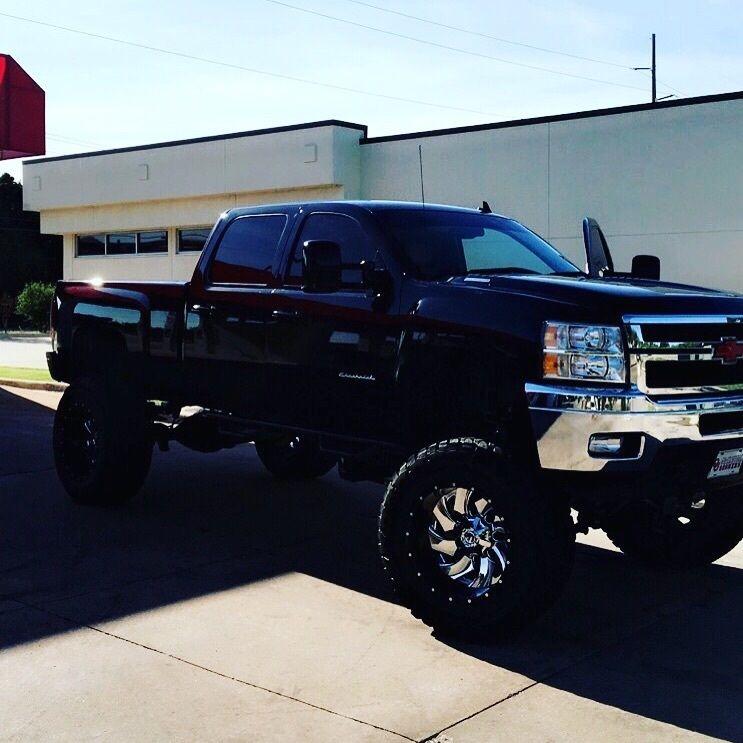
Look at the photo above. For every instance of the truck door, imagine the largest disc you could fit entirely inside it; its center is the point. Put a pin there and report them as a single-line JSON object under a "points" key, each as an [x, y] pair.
{"points": [[227, 310], [333, 355]]}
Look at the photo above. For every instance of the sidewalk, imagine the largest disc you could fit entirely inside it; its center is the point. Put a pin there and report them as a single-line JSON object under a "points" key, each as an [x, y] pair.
{"points": [[24, 349]]}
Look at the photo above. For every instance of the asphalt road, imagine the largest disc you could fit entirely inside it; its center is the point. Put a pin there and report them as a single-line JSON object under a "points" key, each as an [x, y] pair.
{"points": [[220, 604]]}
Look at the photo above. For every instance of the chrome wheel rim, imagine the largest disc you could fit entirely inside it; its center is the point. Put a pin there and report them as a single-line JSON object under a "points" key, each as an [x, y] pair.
{"points": [[469, 539], [81, 440]]}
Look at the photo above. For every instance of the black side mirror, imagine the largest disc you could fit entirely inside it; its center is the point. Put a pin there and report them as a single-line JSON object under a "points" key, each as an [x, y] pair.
{"points": [[646, 267], [321, 260]]}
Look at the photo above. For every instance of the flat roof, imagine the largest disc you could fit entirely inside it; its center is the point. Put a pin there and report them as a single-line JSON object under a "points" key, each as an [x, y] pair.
{"points": [[212, 138], [717, 97]]}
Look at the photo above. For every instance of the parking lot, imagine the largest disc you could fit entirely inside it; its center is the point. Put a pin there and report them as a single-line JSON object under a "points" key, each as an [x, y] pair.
{"points": [[223, 604]]}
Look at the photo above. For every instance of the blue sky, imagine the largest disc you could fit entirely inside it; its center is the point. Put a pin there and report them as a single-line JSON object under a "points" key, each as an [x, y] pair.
{"points": [[101, 94]]}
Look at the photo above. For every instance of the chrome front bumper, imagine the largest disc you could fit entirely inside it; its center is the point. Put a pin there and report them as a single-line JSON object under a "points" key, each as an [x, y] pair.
{"points": [[565, 418]]}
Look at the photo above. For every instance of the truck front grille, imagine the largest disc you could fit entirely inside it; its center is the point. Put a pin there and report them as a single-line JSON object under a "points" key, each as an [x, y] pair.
{"points": [[686, 356]]}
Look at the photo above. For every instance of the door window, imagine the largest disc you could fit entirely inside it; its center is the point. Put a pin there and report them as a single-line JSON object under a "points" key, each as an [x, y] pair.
{"points": [[247, 249], [349, 235]]}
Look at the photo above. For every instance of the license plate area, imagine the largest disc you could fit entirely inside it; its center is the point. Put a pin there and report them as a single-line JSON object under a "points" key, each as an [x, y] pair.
{"points": [[727, 463]]}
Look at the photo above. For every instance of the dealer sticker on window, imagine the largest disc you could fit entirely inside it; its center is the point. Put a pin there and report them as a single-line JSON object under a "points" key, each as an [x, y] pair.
{"points": [[727, 463]]}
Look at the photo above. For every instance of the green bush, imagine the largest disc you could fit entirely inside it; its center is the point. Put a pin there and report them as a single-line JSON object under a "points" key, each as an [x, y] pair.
{"points": [[34, 303]]}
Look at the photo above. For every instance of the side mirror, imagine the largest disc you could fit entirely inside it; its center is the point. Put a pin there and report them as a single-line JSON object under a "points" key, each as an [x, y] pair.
{"points": [[321, 260], [646, 267]]}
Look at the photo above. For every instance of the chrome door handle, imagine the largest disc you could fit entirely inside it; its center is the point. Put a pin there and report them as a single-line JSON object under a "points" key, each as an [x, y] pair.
{"points": [[285, 314], [203, 309]]}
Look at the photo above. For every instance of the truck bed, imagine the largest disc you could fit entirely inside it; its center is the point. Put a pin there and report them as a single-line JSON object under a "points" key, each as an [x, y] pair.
{"points": [[143, 319]]}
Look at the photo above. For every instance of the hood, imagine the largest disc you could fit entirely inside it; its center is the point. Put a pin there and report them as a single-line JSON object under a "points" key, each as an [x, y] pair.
{"points": [[612, 297]]}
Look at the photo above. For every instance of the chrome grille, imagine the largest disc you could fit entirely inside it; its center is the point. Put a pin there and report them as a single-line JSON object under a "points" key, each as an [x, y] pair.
{"points": [[671, 355]]}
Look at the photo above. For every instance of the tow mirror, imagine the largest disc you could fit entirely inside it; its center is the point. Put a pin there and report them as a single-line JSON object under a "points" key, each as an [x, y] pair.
{"points": [[646, 267], [598, 256], [321, 260]]}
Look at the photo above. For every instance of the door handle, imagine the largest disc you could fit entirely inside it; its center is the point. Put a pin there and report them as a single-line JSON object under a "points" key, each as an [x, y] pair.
{"points": [[285, 314], [204, 309]]}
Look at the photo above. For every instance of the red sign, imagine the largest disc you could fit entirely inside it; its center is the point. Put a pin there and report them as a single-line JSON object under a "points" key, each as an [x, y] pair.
{"points": [[21, 112], [729, 351]]}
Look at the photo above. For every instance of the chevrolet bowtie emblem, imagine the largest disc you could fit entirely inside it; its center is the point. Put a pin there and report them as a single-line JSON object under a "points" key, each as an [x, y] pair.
{"points": [[729, 351]]}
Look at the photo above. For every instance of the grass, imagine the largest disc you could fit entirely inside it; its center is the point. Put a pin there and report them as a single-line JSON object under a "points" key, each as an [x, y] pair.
{"points": [[33, 375]]}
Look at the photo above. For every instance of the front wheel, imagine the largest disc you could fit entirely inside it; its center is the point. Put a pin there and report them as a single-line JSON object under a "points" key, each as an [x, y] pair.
{"points": [[294, 458], [680, 537], [102, 444], [472, 547]]}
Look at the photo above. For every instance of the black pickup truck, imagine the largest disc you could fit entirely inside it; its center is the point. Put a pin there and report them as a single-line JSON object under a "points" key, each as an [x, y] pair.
{"points": [[450, 353]]}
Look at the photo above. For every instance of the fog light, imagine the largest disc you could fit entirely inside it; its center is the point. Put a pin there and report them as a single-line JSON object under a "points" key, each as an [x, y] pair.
{"points": [[605, 445], [616, 445]]}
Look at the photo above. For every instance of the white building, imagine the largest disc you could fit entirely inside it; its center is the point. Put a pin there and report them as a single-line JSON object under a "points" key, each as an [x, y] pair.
{"points": [[663, 178]]}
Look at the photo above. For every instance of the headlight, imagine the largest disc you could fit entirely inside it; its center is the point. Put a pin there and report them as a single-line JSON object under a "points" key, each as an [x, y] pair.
{"points": [[583, 352]]}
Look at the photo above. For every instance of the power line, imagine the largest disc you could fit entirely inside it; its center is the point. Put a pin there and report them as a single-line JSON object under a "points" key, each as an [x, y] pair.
{"points": [[230, 65], [482, 35], [71, 140], [450, 48]]}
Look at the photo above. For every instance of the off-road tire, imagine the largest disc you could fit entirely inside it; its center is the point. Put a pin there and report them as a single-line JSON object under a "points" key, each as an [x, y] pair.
{"points": [[110, 470], [294, 458], [666, 542], [541, 549]]}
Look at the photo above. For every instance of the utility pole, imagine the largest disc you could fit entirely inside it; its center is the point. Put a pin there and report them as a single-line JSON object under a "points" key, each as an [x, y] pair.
{"points": [[653, 74], [653, 71]]}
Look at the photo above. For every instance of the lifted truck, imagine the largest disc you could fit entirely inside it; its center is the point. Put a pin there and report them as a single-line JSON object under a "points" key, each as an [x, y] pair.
{"points": [[450, 353]]}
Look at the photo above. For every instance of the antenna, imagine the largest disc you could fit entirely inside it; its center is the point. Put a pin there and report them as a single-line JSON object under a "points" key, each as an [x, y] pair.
{"points": [[420, 162]]}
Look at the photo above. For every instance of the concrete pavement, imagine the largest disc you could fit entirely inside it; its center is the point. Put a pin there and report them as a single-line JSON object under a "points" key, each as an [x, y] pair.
{"points": [[223, 604]]}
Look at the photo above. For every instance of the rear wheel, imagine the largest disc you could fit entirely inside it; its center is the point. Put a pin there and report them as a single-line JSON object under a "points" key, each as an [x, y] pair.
{"points": [[102, 443], [680, 537], [474, 549], [294, 458]]}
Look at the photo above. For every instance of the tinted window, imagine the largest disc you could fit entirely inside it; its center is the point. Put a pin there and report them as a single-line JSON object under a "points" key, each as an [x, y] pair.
{"points": [[153, 242], [91, 244], [121, 243], [439, 244], [192, 239], [246, 251], [338, 228]]}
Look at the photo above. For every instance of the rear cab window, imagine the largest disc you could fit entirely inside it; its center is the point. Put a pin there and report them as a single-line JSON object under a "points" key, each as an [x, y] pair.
{"points": [[246, 252]]}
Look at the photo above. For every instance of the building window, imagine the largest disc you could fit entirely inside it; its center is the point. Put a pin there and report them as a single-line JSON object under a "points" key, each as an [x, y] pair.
{"points": [[152, 242], [192, 239], [91, 245], [123, 243]]}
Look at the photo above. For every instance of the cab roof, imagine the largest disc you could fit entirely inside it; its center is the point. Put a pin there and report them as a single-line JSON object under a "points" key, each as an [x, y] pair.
{"points": [[371, 205]]}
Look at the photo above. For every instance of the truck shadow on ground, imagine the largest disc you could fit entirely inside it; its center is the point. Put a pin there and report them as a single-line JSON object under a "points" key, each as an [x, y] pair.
{"points": [[209, 523]]}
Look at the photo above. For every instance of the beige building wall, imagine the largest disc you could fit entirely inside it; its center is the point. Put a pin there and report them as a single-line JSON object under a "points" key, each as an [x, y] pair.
{"points": [[184, 185], [666, 181], [156, 215]]}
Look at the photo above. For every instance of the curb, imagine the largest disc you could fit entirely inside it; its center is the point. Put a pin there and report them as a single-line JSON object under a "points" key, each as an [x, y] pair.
{"points": [[29, 384]]}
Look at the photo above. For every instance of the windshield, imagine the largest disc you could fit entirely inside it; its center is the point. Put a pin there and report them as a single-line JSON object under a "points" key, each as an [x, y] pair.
{"points": [[439, 243]]}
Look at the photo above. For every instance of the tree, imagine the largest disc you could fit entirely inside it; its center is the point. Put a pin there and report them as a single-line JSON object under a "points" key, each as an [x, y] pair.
{"points": [[11, 199], [34, 303]]}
